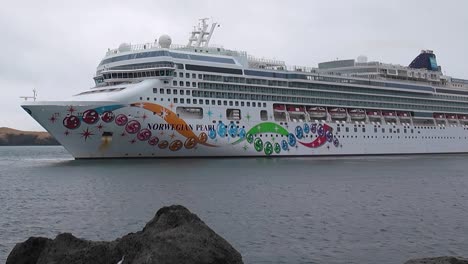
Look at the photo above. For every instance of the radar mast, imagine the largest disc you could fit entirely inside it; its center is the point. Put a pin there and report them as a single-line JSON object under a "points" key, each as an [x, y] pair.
{"points": [[200, 36]]}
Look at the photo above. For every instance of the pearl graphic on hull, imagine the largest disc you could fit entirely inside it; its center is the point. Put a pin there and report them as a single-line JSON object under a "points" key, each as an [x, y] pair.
{"points": [[71, 122], [90, 116]]}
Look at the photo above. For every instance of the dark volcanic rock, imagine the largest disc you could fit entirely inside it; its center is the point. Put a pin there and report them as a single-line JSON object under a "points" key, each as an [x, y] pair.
{"points": [[29, 251], [174, 235], [438, 260]]}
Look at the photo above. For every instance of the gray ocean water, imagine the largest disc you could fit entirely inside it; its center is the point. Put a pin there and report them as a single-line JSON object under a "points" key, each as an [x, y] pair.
{"points": [[298, 210]]}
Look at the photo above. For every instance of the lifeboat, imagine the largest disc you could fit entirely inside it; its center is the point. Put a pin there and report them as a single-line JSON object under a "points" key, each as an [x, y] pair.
{"points": [[296, 113], [389, 114], [439, 116], [403, 114], [279, 108], [317, 112], [451, 116], [373, 113], [337, 113], [357, 114], [295, 109]]}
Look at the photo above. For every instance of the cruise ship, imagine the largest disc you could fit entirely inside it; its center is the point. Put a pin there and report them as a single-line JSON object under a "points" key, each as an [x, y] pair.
{"points": [[197, 100]]}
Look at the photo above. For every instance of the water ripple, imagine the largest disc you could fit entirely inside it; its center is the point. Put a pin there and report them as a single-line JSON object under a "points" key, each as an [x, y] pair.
{"points": [[305, 210]]}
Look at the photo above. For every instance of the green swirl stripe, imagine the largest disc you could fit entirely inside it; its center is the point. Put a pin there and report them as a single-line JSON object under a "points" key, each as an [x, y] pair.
{"points": [[266, 127]]}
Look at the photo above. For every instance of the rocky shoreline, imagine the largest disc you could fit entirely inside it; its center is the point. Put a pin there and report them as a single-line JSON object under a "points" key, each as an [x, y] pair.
{"points": [[174, 235]]}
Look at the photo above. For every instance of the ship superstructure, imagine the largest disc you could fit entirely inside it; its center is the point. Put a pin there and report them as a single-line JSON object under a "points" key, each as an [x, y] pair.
{"points": [[164, 100]]}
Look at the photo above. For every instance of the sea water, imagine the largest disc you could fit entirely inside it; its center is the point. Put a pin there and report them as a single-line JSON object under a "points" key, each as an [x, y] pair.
{"points": [[383, 209]]}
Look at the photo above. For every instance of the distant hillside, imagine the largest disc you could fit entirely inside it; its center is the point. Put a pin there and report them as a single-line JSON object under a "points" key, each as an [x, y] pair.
{"points": [[13, 137]]}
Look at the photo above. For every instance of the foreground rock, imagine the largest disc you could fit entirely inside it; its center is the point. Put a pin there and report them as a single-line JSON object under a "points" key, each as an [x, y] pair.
{"points": [[439, 260], [174, 235]]}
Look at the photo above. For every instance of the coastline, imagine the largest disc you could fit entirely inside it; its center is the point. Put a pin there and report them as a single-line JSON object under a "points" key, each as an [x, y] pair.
{"points": [[13, 137]]}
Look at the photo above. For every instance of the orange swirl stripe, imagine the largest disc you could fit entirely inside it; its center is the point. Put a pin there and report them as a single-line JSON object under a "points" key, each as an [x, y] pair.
{"points": [[172, 119]]}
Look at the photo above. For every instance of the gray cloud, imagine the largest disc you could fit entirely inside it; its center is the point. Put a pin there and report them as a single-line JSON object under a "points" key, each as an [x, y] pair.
{"points": [[54, 46]]}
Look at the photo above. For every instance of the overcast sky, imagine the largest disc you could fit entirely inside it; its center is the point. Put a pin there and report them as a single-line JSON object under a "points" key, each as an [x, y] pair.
{"points": [[55, 46]]}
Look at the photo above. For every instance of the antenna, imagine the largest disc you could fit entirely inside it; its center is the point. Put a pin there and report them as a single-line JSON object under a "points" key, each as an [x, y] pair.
{"points": [[200, 36], [30, 97]]}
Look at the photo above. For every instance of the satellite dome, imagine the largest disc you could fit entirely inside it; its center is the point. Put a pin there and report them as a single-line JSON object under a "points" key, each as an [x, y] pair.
{"points": [[165, 41], [362, 59], [124, 47]]}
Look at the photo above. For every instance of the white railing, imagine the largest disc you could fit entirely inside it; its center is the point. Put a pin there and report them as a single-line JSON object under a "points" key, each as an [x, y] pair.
{"points": [[156, 46]]}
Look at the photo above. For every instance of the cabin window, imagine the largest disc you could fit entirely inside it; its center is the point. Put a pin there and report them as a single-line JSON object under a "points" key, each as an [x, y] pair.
{"points": [[194, 76], [219, 102], [174, 83], [187, 75], [236, 103], [263, 115], [242, 103], [168, 91], [181, 83], [230, 103], [175, 100], [187, 84], [182, 100], [181, 92], [188, 101], [233, 114], [155, 90], [190, 112], [181, 75], [347, 129], [174, 91], [188, 92], [194, 84], [161, 91], [253, 104], [207, 102]]}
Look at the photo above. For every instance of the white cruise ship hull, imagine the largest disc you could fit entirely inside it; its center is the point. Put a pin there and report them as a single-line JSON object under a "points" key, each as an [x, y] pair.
{"points": [[142, 128]]}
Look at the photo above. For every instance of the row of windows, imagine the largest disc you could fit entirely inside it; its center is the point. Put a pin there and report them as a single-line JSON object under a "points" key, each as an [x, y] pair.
{"points": [[187, 75], [181, 83], [326, 97], [233, 79], [391, 137], [390, 130], [172, 91], [218, 102], [142, 74]]}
